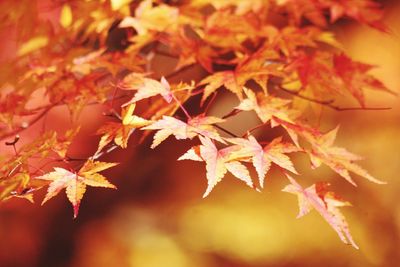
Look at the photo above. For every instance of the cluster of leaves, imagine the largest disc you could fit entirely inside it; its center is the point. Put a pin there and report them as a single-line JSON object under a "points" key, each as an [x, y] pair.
{"points": [[269, 53]]}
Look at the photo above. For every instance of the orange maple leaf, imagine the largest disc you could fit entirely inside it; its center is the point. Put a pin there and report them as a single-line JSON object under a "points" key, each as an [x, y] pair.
{"points": [[355, 77], [120, 132], [366, 11], [75, 182], [257, 67]]}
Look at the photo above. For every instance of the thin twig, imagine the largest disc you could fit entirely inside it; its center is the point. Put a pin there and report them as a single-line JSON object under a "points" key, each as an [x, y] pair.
{"points": [[225, 130], [359, 108], [329, 103], [253, 129], [318, 101], [232, 113]]}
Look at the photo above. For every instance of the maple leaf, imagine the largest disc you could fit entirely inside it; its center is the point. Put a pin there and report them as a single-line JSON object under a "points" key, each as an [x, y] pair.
{"points": [[66, 16], [200, 125], [190, 50], [325, 203], [241, 7], [12, 104], [120, 132], [117, 4], [355, 77], [48, 142], [262, 157], [289, 39], [321, 72], [366, 11], [150, 18], [218, 79], [62, 144], [255, 68], [309, 9], [10, 186], [338, 159], [316, 75], [75, 182], [363, 11], [296, 129], [226, 30], [33, 44], [159, 107], [267, 107], [218, 162], [322, 150], [146, 87]]}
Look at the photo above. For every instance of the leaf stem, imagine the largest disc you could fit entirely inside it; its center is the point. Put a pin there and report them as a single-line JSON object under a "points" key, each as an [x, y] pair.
{"points": [[181, 106]]}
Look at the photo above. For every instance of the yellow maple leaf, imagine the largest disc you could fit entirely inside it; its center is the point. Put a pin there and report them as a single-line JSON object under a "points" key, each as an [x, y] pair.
{"points": [[32, 44], [75, 182], [66, 16], [120, 132]]}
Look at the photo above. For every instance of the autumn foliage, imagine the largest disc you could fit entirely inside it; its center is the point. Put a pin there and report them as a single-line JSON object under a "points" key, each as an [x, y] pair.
{"points": [[279, 58]]}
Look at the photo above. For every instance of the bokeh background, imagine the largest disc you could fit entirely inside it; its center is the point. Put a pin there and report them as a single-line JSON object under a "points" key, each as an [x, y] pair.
{"points": [[157, 217]]}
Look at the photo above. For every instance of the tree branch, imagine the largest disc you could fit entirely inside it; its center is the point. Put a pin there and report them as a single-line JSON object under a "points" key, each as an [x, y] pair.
{"points": [[329, 103], [225, 130], [29, 124]]}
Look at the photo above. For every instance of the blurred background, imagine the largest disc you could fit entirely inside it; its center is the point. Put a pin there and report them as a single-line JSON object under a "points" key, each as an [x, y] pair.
{"points": [[157, 217]]}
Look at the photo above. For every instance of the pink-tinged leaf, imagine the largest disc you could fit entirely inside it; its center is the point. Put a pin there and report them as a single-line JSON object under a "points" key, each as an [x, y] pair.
{"points": [[218, 162], [268, 107], [218, 79], [251, 148], [275, 150], [203, 125], [262, 157], [338, 159], [215, 166], [322, 151], [168, 126], [192, 154], [325, 203], [240, 171], [75, 183], [146, 87], [199, 125]]}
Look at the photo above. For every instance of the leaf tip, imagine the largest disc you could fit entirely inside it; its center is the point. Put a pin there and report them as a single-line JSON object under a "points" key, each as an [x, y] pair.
{"points": [[76, 210]]}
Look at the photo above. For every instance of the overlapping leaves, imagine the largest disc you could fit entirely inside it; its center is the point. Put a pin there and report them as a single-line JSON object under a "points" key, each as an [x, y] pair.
{"points": [[240, 46]]}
